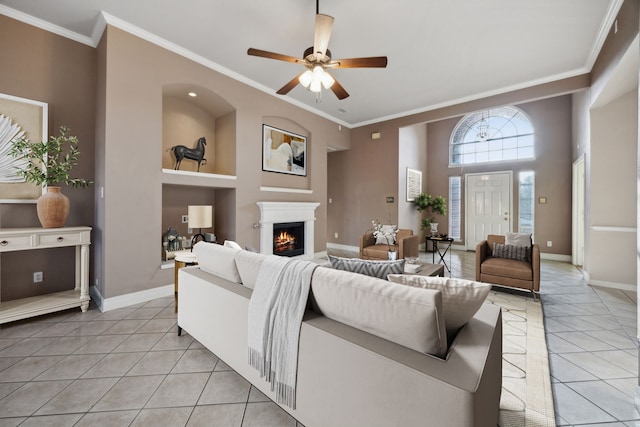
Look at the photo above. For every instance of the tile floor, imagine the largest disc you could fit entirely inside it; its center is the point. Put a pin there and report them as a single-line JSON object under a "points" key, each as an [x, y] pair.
{"points": [[128, 367]]}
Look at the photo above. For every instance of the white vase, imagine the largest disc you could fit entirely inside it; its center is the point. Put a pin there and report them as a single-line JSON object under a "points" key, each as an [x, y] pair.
{"points": [[392, 255], [434, 228]]}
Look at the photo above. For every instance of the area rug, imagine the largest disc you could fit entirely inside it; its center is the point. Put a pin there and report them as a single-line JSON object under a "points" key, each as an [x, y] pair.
{"points": [[526, 398]]}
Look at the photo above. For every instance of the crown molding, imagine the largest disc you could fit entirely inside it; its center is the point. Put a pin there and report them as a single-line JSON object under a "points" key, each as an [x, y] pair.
{"points": [[44, 25]]}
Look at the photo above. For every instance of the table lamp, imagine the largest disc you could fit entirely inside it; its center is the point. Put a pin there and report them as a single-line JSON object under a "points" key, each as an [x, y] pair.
{"points": [[200, 216]]}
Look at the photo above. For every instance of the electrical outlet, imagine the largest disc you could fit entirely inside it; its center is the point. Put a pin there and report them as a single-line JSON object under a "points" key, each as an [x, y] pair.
{"points": [[185, 219], [549, 243], [335, 235], [37, 277]]}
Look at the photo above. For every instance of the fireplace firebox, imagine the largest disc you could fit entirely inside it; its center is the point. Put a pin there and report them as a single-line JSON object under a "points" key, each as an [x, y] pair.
{"points": [[288, 239]]}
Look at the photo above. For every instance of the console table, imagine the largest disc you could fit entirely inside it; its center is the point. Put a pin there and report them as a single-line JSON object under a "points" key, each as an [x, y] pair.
{"points": [[25, 239]]}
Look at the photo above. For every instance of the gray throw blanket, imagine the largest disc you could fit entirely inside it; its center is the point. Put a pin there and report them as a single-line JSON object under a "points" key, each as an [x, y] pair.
{"points": [[275, 315]]}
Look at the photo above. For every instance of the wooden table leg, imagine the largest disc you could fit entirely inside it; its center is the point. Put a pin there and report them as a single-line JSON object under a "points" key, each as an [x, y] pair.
{"points": [[177, 266]]}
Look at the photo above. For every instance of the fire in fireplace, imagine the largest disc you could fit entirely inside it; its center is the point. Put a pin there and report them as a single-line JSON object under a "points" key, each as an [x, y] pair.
{"points": [[288, 239]]}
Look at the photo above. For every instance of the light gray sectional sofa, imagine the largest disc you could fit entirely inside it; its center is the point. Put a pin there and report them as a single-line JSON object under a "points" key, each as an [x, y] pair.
{"points": [[363, 346]]}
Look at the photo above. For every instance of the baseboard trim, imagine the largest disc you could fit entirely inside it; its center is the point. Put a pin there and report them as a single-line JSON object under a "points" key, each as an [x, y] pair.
{"points": [[555, 257], [121, 301], [613, 285], [343, 247]]}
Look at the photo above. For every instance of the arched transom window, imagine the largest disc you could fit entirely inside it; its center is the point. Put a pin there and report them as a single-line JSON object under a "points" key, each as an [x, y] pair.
{"points": [[495, 135]]}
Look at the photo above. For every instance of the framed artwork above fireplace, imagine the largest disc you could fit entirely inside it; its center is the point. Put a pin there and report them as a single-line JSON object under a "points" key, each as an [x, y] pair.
{"points": [[283, 151]]}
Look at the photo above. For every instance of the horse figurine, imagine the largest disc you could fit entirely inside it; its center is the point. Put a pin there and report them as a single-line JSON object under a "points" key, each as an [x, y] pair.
{"points": [[197, 154]]}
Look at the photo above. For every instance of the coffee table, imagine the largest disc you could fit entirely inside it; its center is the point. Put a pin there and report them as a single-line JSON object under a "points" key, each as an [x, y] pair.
{"points": [[427, 269]]}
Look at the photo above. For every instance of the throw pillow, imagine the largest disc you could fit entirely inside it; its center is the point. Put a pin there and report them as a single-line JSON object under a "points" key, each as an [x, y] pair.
{"points": [[231, 244], [387, 235], [248, 265], [218, 260], [461, 298], [520, 253], [517, 239], [379, 269]]}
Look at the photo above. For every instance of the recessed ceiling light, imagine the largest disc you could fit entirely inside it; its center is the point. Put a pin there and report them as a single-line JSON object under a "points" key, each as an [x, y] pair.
{"points": [[192, 94], [343, 110]]}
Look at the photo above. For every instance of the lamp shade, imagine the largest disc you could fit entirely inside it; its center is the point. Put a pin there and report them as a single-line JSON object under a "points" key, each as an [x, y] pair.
{"points": [[200, 216]]}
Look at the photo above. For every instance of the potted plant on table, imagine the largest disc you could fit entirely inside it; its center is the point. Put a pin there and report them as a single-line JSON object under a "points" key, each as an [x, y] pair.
{"points": [[432, 205], [49, 163]]}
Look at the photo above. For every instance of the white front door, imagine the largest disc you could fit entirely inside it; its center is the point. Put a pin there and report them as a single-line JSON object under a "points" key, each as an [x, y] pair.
{"points": [[488, 205]]}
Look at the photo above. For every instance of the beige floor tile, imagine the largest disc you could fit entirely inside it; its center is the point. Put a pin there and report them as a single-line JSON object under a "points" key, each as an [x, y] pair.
{"points": [[110, 418], [165, 417], [217, 416], [30, 397], [266, 414], [79, 396], [179, 390], [114, 365], [198, 360], [225, 387], [71, 367], [129, 393], [156, 362]]}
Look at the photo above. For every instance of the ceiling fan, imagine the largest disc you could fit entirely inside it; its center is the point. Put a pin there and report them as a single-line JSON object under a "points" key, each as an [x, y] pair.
{"points": [[317, 59]]}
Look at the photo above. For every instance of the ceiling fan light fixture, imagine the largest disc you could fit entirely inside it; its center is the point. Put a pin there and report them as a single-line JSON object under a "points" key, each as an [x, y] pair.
{"points": [[306, 78], [318, 79], [327, 80], [315, 86]]}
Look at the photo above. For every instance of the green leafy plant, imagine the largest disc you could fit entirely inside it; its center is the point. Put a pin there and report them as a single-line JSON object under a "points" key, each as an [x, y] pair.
{"points": [[58, 155], [432, 205]]}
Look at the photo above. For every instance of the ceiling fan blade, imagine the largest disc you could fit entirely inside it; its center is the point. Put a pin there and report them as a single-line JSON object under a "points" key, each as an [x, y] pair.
{"points": [[324, 25], [338, 90], [371, 62], [271, 55], [287, 88]]}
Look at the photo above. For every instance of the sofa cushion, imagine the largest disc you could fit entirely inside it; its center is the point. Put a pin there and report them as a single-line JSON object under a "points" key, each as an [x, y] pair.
{"points": [[521, 253], [461, 298], [218, 260], [378, 251], [374, 268], [248, 264], [404, 315], [507, 268]]}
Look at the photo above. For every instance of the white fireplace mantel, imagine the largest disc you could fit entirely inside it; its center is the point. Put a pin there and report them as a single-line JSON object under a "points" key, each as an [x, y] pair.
{"points": [[277, 212]]}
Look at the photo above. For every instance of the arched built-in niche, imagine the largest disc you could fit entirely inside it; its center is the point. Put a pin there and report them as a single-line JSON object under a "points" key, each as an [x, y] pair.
{"points": [[187, 118]]}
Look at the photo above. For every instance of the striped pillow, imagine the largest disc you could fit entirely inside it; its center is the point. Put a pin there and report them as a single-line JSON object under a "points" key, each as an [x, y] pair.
{"points": [[520, 253], [379, 269]]}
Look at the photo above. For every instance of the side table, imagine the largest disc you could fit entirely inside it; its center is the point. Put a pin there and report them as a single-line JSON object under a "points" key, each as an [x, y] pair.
{"points": [[441, 245], [182, 259]]}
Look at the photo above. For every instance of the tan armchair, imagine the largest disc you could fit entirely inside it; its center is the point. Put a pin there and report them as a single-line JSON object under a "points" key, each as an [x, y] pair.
{"points": [[406, 245], [507, 272]]}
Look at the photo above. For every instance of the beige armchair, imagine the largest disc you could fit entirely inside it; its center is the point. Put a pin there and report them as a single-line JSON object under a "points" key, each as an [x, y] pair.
{"points": [[507, 272], [406, 245]]}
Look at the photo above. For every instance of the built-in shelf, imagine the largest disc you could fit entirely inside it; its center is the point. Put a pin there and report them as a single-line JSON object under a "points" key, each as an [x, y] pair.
{"points": [[198, 179], [286, 190]]}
